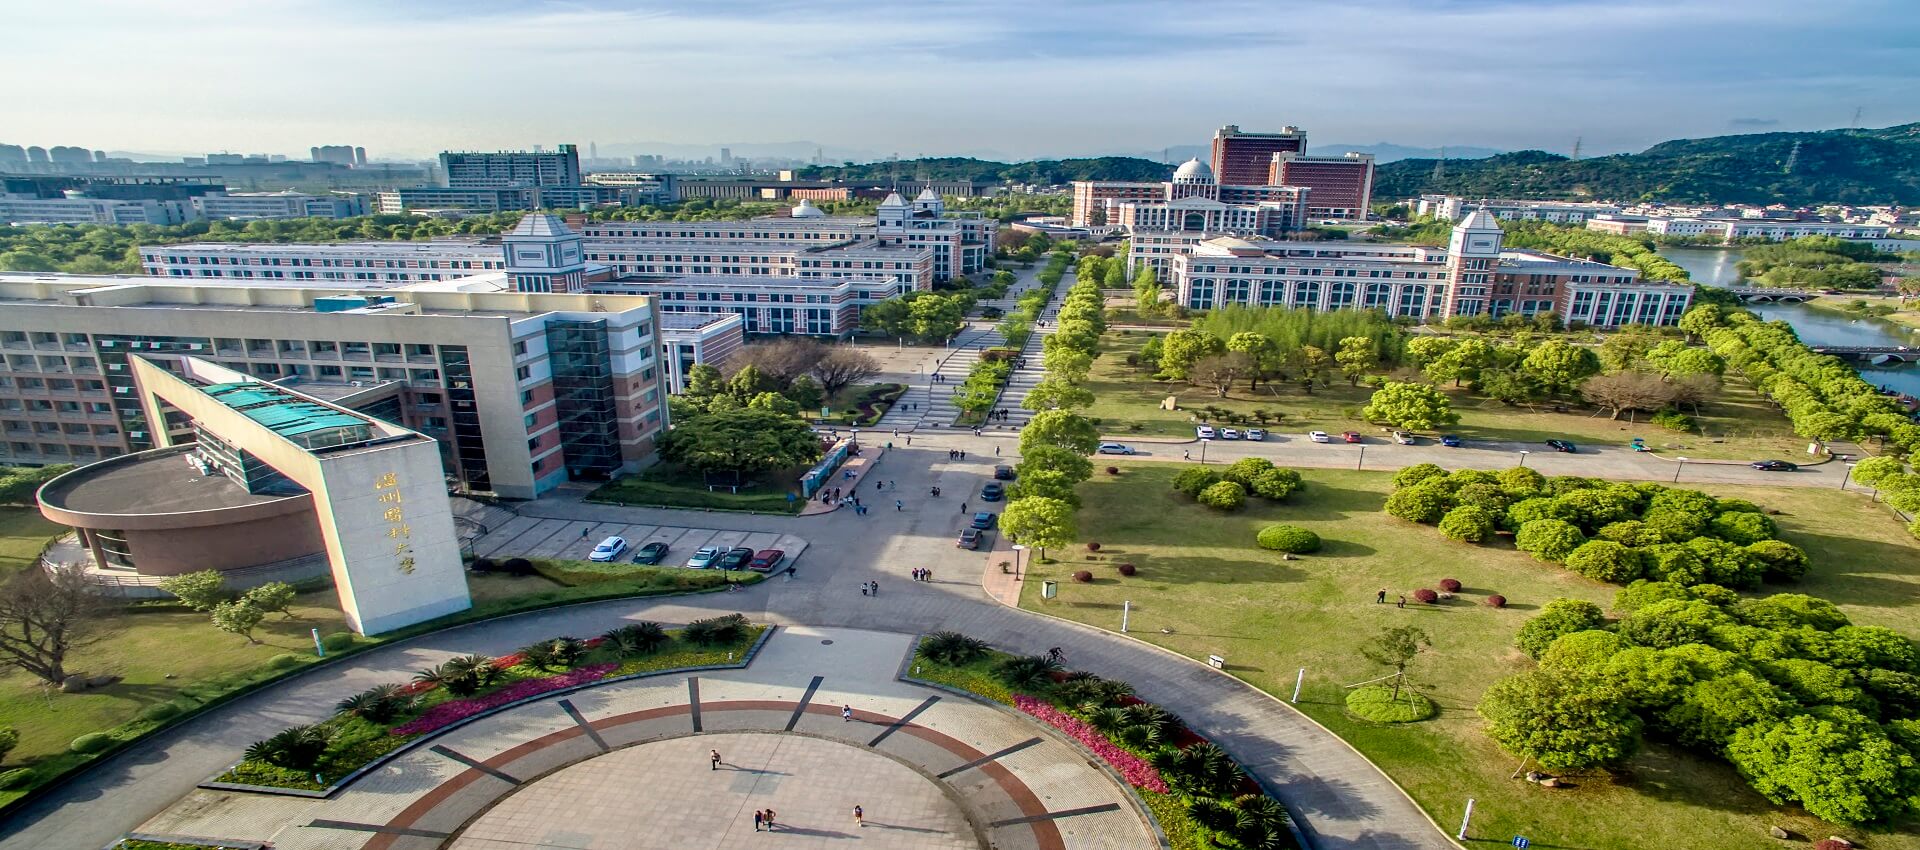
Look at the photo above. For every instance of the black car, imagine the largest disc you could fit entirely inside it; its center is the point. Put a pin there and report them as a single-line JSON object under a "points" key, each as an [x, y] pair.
{"points": [[736, 558], [1003, 473], [984, 520], [993, 492], [1562, 446], [1774, 465], [652, 553]]}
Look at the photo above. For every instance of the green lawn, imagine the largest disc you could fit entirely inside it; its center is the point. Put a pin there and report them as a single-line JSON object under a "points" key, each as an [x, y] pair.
{"points": [[1201, 577], [23, 533], [1739, 425], [671, 486]]}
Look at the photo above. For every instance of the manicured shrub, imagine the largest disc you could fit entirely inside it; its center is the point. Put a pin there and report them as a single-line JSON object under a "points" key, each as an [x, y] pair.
{"points": [[1549, 539], [1725, 564], [1519, 482], [483, 565], [1195, 479], [1425, 502], [1468, 477], [1665, 625], [1289, 538], [1128, 569], [1673, 420], [952, 648], [1741, 528], [1378, 704], [92, 742], [1496, 601], [1605, 560], [1450, 585], [517, 566], [1244, 470], [16, 779], [1113, 470], [153, 713], [337, 641], [1425, 596], [1582, 649], [1560, 617], [1488, 496], [1779, 560], [1093, 546], [1629, 532], [1832, 844], [1224, 496], [1467, 524], [1527, 510], [1083, 576], [1411, 475], [10, 738], [284, 661], [1277, 484]]}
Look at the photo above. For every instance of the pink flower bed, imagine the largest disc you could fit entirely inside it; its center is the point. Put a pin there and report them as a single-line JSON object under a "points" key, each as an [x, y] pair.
{"points": [[453, 711], [1136, 771]]}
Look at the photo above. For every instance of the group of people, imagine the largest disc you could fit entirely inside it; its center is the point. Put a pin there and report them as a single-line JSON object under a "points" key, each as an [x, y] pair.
{"points": [[922, 574], [956, 454], [766, 817], [762, 817], [869, 588]]}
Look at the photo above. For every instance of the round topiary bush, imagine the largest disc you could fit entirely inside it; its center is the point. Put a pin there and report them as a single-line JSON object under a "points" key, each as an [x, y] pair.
{"points": [[1224, 496], [1093, 546], [1113, 470], [1425, 596], [483, 565], [1377, 703], [1496, 601], [337, 641], [284, 661], [1832, 844], [160, 711], [1128, 569], [16, 779], [1549, 539], [1450, 585], [1468, 524], [92, 742], [517, 566], [1288, 538], [1083, 577]]}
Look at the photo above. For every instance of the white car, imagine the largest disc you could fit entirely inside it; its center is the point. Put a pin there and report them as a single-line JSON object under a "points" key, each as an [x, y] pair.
{"points": [[608, 549], [1204, 432], [1319, 437], [1229, 434], [1256, 434], [706, 557], [1403, 438], [1115, 449]]}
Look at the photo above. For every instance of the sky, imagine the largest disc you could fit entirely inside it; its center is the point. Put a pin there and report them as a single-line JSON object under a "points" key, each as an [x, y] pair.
{"points": [[1009, 78]]}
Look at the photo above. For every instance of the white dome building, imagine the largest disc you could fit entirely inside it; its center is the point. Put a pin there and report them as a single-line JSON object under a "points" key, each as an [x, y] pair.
{"points": [[806, 209], [1193, 171]]}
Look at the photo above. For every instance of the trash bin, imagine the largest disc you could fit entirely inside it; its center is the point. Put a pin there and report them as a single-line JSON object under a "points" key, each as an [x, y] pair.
{"points": [[1217, 662], [1049, 590]]}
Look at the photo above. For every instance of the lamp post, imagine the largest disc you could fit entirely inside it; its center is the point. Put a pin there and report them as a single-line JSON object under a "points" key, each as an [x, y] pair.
{"points": [[1362, 462], [1846, 475], [1203, 449], [1017, 549], [1523, 457], [1679, 469]]}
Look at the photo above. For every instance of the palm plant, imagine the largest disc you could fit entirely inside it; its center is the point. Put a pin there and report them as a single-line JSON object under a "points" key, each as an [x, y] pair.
{"points": [[379, 704], [1200, 770], [952, 648], [1027, 671], [1139, 737], [722, 629], [1153, 717], [636, 638], [294, 748], [1108, 720], [462, 675], [554, 653]]}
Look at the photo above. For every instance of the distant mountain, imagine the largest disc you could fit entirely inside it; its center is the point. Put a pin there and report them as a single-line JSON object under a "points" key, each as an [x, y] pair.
{"points": [[1046, 171], [1385, 152], [1832, 166]]}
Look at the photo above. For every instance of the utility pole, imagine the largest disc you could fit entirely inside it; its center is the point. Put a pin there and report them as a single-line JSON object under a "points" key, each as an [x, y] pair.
{"points": [[1576, 148], [1793, 158], [1440, 165], [1856, 117]]}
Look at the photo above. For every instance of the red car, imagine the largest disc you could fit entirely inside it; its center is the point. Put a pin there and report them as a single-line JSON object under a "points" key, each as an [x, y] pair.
{"points": [[766, 559], [1351, 437]]}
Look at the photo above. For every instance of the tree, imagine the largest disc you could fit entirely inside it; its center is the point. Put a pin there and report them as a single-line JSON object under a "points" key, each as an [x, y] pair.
{"points": [[806, 393], [1060, 428], [1115, 276], [1217, 372], [1560, 617], [1624, 349], [1055, 393], [1461, 362], [1396, 648], [783, 359], [1068, 462], [774, 402], [841, 367], [1357, 356], [1564, 719], [1411, 406], [936, 316], [741, 442], [748, 381], [272, 597], [1312, 362], [1046, 483], [1698, 321], [1619, 392], [199, 590], [891, 317], [704, 381], [1146, 291], [1509, 386], [1258, 349], [45, 615], [1838, 765], [1068, 364], [1560, 366], [1422, 350], [1039, 522], [238, 617], [1467, 524], [1180, 349], [1426, 502], [1693, 390], [1548, 539]]}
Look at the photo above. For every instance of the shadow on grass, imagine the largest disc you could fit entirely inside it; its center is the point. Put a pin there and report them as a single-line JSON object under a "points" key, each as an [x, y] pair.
{"points": [[1835, 562]]}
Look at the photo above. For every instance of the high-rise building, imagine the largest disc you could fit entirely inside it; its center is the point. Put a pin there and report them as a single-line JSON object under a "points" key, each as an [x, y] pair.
{"points": [[1245, 159], [505, 169], [339, 154], [1342, 186]]}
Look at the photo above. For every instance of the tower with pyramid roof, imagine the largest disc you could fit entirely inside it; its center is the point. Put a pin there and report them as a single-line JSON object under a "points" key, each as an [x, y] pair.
{"points": [[544, 255]]}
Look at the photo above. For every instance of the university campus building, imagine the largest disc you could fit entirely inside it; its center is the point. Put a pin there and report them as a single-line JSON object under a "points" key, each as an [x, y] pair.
{"points": [[1263, 183]]}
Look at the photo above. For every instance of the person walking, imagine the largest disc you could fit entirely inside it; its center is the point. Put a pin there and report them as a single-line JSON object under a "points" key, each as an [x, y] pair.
{"points": [[1403, 601], [769, 820], [863, 588], [926, 575], [899, 505], [759, 817], [859, 817], [996, 451], [963, 507], [584, 530], [713, 760], [1381, 597], [846, 713], [1186, 455], [876, 588]]}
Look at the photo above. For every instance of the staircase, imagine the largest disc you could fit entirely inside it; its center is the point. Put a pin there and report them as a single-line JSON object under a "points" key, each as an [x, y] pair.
{"points": [[935, 401], [1030, 372]]}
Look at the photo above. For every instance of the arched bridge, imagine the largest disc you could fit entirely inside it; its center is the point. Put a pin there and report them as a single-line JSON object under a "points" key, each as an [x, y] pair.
{"points": [[1878, 355], [1757, 293]]}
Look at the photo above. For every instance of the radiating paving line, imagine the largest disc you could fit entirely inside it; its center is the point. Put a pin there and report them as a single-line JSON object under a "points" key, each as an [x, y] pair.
{"points": [[991, 757], [904, 720], [800, 708]]}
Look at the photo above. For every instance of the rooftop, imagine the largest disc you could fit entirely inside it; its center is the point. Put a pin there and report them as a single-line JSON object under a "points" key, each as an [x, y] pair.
{"points": [[428, 249], [280, 411], [156, 482]]}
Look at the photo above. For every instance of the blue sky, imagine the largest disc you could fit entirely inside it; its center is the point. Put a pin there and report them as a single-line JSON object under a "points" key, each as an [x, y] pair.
{"points": [[1012, 77]]}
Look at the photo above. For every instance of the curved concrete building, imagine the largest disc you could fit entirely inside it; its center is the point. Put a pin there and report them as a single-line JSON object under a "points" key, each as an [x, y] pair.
{"points": [[157, 513]]}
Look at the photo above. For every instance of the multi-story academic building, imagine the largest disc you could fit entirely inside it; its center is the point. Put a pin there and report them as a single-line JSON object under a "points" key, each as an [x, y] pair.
{"points": [[1342, 186], [1730, 229], [1453, 208], [361, 264], [249, 206], [1245, 159], [502, 169], [1192, 200]]}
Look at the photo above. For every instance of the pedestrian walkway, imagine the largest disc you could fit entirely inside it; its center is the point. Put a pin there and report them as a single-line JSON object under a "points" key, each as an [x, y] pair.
{"points": [[1030, 372]]}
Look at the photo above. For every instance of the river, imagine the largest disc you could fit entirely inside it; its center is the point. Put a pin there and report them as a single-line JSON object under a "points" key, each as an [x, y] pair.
{"points": [[1715, 267]]}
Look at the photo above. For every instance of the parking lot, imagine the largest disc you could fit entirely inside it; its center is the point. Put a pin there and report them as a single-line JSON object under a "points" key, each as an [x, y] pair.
{"points": [[530, 537]]}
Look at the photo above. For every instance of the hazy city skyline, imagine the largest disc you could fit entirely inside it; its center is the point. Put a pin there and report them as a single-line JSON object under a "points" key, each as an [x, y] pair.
{"points": [[982, 77]]}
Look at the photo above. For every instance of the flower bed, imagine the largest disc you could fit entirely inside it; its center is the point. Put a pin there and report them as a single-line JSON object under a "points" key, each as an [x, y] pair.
{"points": [[452, 711], [1134, 769]]}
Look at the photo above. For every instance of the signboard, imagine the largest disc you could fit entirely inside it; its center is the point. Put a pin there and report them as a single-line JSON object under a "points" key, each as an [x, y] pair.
{"points": [[1521, 841]]}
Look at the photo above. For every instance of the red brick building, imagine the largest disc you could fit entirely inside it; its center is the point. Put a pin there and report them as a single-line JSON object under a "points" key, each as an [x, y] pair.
{"points": [[1342, 185], [1245, 159]]}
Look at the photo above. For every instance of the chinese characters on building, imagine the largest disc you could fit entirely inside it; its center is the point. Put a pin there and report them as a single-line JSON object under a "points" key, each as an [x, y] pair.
{"points": [[388, 488]]}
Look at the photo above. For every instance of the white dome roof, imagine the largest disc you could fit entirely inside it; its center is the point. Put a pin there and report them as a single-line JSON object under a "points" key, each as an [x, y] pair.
{"points": [[1193, 169], [806, 209], [894, 200], [928, 194]]}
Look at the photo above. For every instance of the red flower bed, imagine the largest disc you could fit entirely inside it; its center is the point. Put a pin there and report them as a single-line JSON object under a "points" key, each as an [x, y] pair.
{"points": [[1135, 770], [453, 711]]}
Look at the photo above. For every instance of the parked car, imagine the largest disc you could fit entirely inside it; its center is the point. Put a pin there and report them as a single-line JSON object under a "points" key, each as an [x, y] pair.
{"points": [[1404, 438], [766, 559], [1229, 434], [1451, 441], [969, 538], [1319, 436], [705, 557], [984, 520], [1774, 465], [652, 553], [608, 549], [1562, 446], [1003, 473], [993, 492], [736, 558], [1352, 437], [1115, 449], [1256, 434], [1204, 432]]}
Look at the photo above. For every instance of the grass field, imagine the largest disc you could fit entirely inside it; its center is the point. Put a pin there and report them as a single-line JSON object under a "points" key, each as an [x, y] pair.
{"points": [[1201, 576], [1127, 401], [23, 533], [667, 485]]}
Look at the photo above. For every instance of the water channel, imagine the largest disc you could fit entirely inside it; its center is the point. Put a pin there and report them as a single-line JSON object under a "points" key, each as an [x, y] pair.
{"points": [[1715, 267]]}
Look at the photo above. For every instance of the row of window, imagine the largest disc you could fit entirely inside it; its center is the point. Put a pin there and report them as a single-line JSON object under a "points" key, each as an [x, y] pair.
{"points": [[327, 263]]}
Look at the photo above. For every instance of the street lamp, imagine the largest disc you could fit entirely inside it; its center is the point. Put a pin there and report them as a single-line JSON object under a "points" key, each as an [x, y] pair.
{"points": [[1017, 549], [1846, 475], [1362, 462], [1679, 469], [1523, 457], [1203, 449]]}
